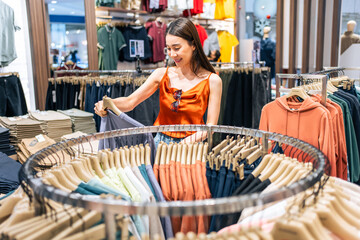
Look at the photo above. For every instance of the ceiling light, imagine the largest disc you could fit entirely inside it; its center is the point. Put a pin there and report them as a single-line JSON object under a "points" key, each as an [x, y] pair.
{"points": [[54, 2], [78, 31], [73, 12], [67, 32], [53, 9], [247, 17]]}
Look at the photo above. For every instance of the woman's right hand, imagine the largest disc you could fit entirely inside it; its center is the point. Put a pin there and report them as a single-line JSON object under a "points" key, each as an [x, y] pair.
{"points": [[99, 109]]}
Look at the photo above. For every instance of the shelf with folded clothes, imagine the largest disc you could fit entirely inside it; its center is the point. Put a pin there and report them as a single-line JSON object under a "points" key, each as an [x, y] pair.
{"points": [[122, 156]]}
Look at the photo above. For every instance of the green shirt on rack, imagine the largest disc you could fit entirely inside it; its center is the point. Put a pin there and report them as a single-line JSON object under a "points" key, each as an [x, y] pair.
{"points": [[351, 144], [110, 42]]}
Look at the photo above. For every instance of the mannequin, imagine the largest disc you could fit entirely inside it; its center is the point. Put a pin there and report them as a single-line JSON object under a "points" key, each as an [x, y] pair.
{"points": [[268, 50], [266, 32], [348, 38]]}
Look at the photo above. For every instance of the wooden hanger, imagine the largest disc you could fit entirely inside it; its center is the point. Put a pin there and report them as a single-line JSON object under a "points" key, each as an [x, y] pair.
{"points": [[216, 150], [184, 153], [164, 149], [200, 152], [267, 172], [138, 156], [89, 220], [109, 104], [50, 179], [133, 157], [80, 171], [104, 160], [158, 154], [174, 153], [123, 160], [111, 158], [168, 153], [297, 91], [63, 180], [95, 163], [179, 152], [142, 154], [117, 161], [189, 153], [194, 153], [147, 154]]}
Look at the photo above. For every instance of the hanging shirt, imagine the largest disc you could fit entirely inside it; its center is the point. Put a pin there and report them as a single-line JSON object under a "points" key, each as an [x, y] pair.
{"points": [[7, 35], [165, 221], [192, 107], [202, 33], [111, 122], [137, 43], [156, 30], [110, 42], [226, 41], [211, 43], [225, 9]]}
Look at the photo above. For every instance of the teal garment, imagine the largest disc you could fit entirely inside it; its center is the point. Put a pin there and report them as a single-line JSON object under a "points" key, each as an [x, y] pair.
{"points": [[351, 142], [110, 42], [92, 189], [7, 35], [106, 189], [83, 191], [7, 195], [147, 180]]}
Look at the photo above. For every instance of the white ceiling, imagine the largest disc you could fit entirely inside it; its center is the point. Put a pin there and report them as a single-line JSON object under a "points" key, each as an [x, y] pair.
{"points": [[66, 7]]}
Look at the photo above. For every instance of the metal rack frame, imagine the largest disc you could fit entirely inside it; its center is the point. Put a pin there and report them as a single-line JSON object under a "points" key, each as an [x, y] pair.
{"points": [[110, 206], [77, 72], [322, 78]]}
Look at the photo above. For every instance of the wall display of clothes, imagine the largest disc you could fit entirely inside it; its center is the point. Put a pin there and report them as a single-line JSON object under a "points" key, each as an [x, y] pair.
{"points": [[93, 89], [332, 128], [124, 42], [12, 96], [245, 91]]}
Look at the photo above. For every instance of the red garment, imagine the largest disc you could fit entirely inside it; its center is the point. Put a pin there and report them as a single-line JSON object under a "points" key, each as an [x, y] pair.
{"points": [[69, 67], [156, 30], [198, 8], [202, 33]]}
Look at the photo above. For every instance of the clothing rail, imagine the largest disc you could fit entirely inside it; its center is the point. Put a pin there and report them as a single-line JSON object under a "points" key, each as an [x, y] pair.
{"points": [[99, 71], [323, 78], [327, 70], [110, 206], [262, 63]]}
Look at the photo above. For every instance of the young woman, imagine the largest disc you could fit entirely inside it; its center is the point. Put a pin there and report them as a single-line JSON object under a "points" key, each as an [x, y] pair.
{"points": [[186, 89]]}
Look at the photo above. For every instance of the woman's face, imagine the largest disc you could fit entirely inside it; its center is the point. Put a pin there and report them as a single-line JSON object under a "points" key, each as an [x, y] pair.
{"points": [[179, 50]]}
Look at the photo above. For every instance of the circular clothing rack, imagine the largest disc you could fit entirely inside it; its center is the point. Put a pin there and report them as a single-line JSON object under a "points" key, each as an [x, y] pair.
{"points": [[111, 206]]}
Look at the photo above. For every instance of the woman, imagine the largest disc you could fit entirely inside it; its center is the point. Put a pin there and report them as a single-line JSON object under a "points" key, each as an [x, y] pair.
{"points": [[186, 89]]}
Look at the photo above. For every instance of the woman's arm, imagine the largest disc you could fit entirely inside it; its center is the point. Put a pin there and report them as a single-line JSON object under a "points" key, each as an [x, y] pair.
{"points": [[213, 110], [126, 104]]}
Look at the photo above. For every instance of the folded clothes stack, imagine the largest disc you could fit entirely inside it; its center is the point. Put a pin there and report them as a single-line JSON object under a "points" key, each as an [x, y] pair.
{"points": [[9, 172], [54, 124], [30, 146], [5, 146], [20, 128], [81, 121]]}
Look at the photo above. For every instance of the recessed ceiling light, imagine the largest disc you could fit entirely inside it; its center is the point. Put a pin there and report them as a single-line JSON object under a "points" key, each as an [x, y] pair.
{"points": [[67, 32], [78, 31], [72, 12], [53, 9], [54, 2]]}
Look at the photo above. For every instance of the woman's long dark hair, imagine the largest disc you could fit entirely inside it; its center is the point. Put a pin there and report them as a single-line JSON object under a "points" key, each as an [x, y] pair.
{"points": [[184, 28]]}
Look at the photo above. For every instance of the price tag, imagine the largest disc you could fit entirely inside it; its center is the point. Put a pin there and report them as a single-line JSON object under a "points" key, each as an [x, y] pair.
{"points": [[40, 138], [54, 96]]}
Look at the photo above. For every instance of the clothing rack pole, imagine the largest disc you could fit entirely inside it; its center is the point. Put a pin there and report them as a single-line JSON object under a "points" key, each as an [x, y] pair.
{"points": [[99, 71], [323, 78], [110, 225], [327, 70]]}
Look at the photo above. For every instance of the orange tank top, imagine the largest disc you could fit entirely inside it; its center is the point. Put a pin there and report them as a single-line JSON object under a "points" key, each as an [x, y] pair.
{"points": [[191, 108]]}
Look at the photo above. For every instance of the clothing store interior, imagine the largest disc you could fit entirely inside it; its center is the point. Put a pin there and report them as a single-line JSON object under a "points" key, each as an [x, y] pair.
{"points": [[180, 119]]}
